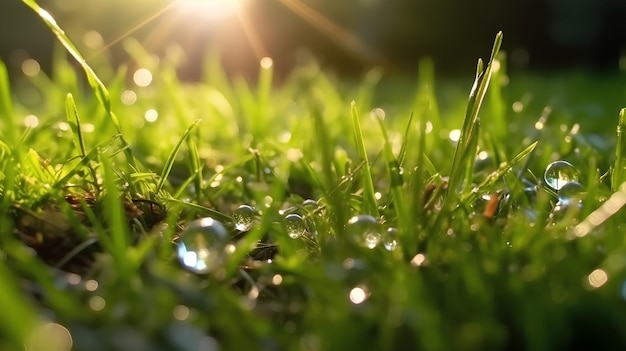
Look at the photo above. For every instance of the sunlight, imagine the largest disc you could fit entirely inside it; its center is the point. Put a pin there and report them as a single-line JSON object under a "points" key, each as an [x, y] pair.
{"points": [[211, 8]]}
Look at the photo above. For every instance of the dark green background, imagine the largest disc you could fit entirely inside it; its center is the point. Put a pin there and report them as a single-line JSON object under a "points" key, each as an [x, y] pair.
{"points": [[538, 33]]}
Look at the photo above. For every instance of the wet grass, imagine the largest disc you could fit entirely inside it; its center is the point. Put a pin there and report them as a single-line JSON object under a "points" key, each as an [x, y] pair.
{"points": [[426, 221]]}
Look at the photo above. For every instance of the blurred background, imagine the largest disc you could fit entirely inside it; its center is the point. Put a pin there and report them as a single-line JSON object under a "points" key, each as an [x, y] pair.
{"points": [[346, 36]]}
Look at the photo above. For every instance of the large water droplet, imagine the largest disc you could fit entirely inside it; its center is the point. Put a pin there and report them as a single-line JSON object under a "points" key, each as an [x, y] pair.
{"points": [[295, 225], [559, 173], [566, 208], [201, 245], [243, 217], [365, 229]]}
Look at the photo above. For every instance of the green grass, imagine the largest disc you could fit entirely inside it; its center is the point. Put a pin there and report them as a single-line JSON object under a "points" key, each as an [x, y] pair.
{"points": [[93, 200]]}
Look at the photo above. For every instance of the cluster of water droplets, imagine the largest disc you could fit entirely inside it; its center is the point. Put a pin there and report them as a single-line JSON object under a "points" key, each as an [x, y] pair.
{"points": [[202, 245], [368, 232]]}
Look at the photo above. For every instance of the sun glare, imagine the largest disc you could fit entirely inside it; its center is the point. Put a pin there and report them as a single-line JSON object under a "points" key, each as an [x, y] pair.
{"points": [[211, 8]]}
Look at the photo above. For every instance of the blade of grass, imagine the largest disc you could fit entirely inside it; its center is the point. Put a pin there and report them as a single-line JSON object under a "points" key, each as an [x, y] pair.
{"points": [[96, 85], [336, 199], [14, 304], [6, 107], [619, 167], [212, 213], [500, 172], [497, 115], [369, 199], [395, 175], [74, 121], [116, 221], [167, 168], [466, 143], [195, 167], [425, 99], [84, 162]]}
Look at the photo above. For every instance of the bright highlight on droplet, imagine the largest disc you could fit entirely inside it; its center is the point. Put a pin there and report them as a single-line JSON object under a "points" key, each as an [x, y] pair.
{"points": [[142, 77], [597, 278]]}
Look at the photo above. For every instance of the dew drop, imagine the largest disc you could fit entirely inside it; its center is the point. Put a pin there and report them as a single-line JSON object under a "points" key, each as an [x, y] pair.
{"points": [[390, 239], [243, 217], [365, 229], [295, 225], [565, 208], [571, 191], [559, 173], [201, 245], [309, 205]]}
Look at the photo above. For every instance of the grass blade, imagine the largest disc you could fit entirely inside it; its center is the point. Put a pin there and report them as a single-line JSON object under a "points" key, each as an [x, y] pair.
{"points": [[466, 146], [619, 167], [6, 106], [167, 168], [369, 200], [84, 162], [96, 85], [74, 121], [395, 171], [116, 222], [335, 199]]}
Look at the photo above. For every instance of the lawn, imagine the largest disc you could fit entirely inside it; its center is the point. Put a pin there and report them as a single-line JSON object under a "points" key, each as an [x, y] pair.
{"points": [[142, 212]]}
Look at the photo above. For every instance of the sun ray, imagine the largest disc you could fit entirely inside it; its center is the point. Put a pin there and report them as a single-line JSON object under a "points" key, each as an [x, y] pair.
{"points": [[136, 27], [333, 31], [253, 39]]}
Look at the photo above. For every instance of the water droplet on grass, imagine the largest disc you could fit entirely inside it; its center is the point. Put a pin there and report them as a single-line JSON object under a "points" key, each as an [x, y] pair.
{"points": [[309, 204], [243, 217], [559, 173], [201, 245], [566, 208], [390, 239], [365, 229], [295, 225], [571, 191]]}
